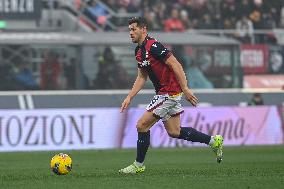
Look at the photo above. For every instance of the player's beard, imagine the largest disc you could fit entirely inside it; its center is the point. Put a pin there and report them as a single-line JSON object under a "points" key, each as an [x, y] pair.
{"points": [[134, 40], [137, 38]]}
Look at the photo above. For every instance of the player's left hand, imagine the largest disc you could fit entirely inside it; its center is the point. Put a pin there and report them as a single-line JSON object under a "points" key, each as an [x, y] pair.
{"points": [[189, 96]]}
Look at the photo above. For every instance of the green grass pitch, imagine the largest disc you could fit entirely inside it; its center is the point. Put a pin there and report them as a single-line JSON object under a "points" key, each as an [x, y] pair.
{"points": [[243, 167]]}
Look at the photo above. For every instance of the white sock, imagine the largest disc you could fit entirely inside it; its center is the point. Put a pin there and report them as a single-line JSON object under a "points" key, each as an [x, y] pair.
{"points": [[211, 140], [138, 164]]}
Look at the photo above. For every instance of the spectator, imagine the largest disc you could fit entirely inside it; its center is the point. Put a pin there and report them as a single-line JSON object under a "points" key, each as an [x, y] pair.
{"points": [[152, 22], [244, 7], [229, 23], [8, 81], [256, 13], [267, 21], [206, 22], [179, 52], [197, 79], [184, 19], [78, 4], [256, 100], [50, 71], [133, 7], [196, 9], [110, 75], [74, 75], [103, 78], [160, 12], [24, 77], [96, 12], [227, 11], [245, 30], [192, 70], [174, 23], [218, 22]]}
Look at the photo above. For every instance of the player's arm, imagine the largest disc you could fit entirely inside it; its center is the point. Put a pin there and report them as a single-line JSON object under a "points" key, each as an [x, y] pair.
{"points": [[137, 86], [173, 63], [163, 54], [139, 82]]}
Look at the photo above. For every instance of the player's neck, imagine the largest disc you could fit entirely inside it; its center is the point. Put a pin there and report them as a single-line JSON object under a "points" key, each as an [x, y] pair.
{"points": [[142, 39]]}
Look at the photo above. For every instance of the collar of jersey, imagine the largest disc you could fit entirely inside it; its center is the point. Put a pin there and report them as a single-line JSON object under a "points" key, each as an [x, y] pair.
{"points": [[145, 41]]}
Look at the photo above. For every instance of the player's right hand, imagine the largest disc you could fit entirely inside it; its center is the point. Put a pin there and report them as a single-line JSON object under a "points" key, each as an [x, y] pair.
{"points": [[125, 104], [191, 97]]}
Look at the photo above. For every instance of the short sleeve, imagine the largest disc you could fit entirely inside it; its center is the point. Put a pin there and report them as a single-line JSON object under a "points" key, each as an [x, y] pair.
{"points": [[160, 52]]}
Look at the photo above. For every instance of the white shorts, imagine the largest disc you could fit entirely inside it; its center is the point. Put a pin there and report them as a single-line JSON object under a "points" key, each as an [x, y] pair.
{"points": [[165, 106]]}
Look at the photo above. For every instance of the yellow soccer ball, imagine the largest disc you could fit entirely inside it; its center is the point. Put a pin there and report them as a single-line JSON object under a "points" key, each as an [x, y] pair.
{"points": [[61, 164]]}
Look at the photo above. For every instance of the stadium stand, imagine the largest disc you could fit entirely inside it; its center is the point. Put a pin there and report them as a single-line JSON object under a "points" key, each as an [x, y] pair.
{"points": [[198, 14], [255, 25]]}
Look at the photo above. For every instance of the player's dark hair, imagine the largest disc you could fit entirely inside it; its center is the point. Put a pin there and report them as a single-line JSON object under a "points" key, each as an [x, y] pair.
{"points": [[141, 22]]}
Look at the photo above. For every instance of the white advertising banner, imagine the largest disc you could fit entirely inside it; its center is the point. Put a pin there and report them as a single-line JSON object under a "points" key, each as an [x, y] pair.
{"points": [[238, 125], [103, 128], [25, 130]]}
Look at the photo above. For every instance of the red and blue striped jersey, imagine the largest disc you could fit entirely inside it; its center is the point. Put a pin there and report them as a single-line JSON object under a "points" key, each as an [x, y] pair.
{"points": [[151, 56]]}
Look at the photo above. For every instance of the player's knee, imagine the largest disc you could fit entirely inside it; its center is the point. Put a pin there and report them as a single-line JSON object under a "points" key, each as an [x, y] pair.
{"points": [[174, 133], [142, 126]]}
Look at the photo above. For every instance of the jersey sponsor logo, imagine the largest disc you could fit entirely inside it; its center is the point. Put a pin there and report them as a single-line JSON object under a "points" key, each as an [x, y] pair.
{"points": [[145, 63]]}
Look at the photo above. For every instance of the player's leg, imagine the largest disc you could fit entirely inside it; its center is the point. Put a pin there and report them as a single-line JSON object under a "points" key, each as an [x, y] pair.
{"points": [[143, 128], [172, 126], [174, 130]]}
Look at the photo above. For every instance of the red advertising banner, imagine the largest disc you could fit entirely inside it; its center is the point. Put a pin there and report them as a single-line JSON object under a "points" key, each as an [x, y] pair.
{"points": [[254, 58], [263, 81]]}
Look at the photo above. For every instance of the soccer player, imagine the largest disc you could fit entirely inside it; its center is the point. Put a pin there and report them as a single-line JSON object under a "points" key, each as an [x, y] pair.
{"points": [[166, 73]]}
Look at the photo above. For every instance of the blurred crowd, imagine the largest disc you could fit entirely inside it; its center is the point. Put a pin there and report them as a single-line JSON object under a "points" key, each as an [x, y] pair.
{"points": [[180, 15], [205, 14], [111, 75], [55, 72], [17, 72]]}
